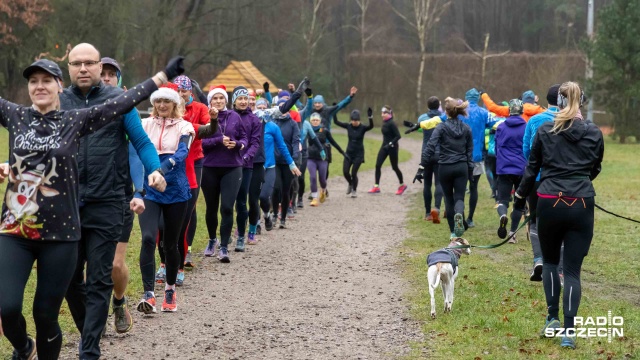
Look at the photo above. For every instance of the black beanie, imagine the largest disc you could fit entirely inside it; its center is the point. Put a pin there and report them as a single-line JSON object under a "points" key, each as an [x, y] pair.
{"points": [[355, 115], [552, 95]]}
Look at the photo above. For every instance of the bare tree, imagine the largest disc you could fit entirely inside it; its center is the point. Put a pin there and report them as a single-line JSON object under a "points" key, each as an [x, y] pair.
{"points": [[314, 31], [426, 13], [484, 56], [362, 29]]}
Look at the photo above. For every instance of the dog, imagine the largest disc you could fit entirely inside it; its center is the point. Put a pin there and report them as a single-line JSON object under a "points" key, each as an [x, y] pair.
{"points": [[443, 267]]}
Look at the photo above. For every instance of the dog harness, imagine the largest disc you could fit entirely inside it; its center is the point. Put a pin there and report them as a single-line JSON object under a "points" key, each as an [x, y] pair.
{"points": [[443, 256]]}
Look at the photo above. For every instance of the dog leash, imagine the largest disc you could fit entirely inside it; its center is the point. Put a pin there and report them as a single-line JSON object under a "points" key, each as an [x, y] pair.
{"points": [[493, 246], [616, 215]]}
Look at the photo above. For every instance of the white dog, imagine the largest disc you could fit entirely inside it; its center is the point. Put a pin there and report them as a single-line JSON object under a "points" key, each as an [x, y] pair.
{"points": [[443, 266]]}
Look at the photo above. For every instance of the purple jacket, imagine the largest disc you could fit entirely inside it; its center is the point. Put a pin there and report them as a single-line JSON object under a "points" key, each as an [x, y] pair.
{"points": [[216, 154], [509, 157], [253, 128]]}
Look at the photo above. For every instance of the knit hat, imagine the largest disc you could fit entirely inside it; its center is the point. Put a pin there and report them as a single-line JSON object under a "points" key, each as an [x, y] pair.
{"points": [[515, 107], [239, 91], [252, 94], [318, 99], [283, 93], [281, 101], [262, 101], [552, 95], [528, 97], [220, 89], [183, 82], [315, 115], [472, 95], [167, 94], [114, 63], [355, 115]]}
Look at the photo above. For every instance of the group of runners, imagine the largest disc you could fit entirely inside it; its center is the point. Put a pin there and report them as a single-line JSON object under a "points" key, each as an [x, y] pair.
{"points": [[546, 157], [83, 163]]}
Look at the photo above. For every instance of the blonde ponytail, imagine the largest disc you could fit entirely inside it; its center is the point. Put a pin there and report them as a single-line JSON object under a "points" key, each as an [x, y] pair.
{"points": [[564, 119]]}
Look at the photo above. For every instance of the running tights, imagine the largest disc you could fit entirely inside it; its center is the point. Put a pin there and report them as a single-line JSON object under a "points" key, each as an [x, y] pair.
{"points": [[255, 188], [392, 153], [281, 190], [507, 183], [303, 169], [431, 173], [350, 171], [214, 181], [473, 195], [242, 211], [317, 171], [453, 178], [267, 190]]}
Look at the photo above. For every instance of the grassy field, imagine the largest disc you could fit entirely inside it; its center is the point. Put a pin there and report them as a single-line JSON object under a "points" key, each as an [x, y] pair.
{"points": [[498, 312], [135, 284]]}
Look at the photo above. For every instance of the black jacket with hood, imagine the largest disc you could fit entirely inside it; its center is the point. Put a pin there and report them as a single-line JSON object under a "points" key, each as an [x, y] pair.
{"points": [[456, 144], [569, 160]]}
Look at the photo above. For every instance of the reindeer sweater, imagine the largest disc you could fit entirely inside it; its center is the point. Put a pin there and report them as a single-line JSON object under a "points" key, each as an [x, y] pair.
{"points": [[41, 201]]}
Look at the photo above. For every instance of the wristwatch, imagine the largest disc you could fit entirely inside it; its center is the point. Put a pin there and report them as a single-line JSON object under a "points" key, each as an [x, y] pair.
{"points": [[142, 192], [159, 170]]}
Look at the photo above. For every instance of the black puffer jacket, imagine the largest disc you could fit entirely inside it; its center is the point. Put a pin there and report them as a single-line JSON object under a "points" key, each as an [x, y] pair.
{"points": [[569, 160], [456, 143], [103, 159]]}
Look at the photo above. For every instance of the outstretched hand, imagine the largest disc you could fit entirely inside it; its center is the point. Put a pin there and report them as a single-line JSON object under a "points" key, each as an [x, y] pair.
{"points": [[369, 112], [265, 86], [419, 175], [303, 85], [353, 91], [4, 171], [308, 92], [174, 67]]}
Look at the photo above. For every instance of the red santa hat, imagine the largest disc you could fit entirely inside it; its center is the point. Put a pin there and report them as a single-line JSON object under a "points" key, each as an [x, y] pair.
{"points": [[220, 89]]}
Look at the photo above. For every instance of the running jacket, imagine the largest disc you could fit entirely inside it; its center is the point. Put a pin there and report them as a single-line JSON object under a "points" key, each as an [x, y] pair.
{"points": [[215, 153], [532, 127], [570, 160], [272, 139], [355, 147], [509, 157], [456, 143], [323, 135], [428, 125], [171, 138], [197, 114], [41, 200], [478, 119], [291, 136], [503, 111], [253, 128], [390, 133]]}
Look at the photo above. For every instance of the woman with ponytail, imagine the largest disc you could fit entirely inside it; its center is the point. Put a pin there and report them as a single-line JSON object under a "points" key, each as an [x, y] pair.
{"points": [[569, 151]]}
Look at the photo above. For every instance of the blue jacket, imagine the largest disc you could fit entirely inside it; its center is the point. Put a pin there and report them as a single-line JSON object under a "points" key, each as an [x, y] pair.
{"points": [[509, 157], [532, 127], [273, 138], [478, 119]]}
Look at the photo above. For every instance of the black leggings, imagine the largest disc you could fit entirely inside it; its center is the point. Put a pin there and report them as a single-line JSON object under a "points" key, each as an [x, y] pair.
{"points": [[214, 181], [173, 215], [257, 179], [56, 265], [242, 212], [193, 216], [473, 195], [303, 169], [392, 153], [267, 190], [569, 223], [350, 170], [431, 172], [281, 190], [506, 183], [490, 169], [453, 178]]}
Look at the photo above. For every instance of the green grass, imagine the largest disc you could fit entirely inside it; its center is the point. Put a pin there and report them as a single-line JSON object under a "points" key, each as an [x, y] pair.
{"points": [[498, 312], [134, 290]]}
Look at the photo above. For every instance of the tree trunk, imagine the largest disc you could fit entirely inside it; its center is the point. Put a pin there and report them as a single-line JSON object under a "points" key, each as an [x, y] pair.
{"points": [[423, 59]]}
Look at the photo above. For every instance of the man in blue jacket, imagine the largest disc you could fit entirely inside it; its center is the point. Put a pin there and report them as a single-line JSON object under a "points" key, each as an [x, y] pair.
{"points": [[478, 120]]}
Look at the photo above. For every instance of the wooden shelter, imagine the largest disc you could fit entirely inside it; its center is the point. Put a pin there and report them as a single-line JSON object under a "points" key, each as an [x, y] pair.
{"points": [[240, 73]]}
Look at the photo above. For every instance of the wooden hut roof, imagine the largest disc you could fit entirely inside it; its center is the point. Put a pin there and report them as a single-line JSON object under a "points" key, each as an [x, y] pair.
{"points": [[240, 73]]}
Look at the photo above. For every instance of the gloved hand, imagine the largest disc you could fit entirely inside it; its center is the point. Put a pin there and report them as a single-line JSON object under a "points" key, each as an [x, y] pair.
{"points": [[194, 84], [481, 91], [323, 155], [419, 175], [369, 113], [385, 146], [303, 85], [472, 178], [334, 103], [265, 86], [175, 67], [412, 126], [519, 202], [308, 92], [346, 156]]}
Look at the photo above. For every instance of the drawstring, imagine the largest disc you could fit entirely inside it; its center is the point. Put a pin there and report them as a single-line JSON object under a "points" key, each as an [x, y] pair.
{"points": [[561, 198]]}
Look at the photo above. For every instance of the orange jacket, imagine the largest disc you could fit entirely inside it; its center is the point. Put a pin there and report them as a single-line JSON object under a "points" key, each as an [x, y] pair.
{"points": [[503, 111]]}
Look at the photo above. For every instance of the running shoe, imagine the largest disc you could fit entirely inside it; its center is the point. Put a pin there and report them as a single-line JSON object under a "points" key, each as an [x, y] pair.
{"points": [[169, 304], [283, 224], [240, 244], [300, 203], [315, 202], [354, 194], [458, 224], [268, 224], [310, 197], [502, 229], [401, 189], [549, 324], [295, 208], [568, 342], [258, 229], [349, 189], [323, 195], [148, 303], [435, 216], [122, 317], [374, 190], [188, 262], [251, 239], [211, 248], [223, 256], [326, 193], [512, 238], [180, 278], [470, 224], [161, 274], [428, 217], [30, 354], [452, 236], [290, 214], [536, 274]]}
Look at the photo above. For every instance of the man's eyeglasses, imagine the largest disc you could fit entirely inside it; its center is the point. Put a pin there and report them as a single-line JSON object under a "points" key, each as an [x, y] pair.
{"points": [[87, 64]]}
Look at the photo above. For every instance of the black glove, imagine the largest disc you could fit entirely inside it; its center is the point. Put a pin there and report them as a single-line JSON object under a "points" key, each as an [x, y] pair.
{"points": [[175, 67], [419, 175], [194, 84], [265, 86], [346, 156], [303, 85], [369, 113], [386, 146], [308, 91], [519, 203], [472, 178], [334, 104], [481, 91]]}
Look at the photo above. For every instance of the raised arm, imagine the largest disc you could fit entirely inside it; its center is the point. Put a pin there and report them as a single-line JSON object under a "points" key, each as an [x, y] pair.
{"points": [[499, 110], [138, 138], [7, 109], [333, 142]]}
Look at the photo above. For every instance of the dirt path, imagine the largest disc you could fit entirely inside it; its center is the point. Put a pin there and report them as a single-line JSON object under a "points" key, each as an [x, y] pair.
{"points": [[327, 287]]}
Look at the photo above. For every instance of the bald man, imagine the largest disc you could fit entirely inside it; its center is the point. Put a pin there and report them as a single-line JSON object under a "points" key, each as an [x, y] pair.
{"points": [[104, 194]]}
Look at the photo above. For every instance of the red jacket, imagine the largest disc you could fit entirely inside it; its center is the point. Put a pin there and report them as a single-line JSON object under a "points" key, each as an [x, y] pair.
{"points": [[197, 114]]}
